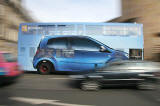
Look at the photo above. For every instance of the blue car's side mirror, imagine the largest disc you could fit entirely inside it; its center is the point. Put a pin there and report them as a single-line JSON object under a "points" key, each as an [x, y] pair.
{"points": [[102, 49]]}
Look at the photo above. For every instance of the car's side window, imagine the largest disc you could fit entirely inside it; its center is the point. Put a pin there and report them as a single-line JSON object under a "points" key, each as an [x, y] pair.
{"points": [[58, 43], [115, 66], [84, 44]]}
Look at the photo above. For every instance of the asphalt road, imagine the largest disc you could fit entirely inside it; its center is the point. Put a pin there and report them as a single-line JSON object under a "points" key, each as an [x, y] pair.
{"points": [[58, 90]]}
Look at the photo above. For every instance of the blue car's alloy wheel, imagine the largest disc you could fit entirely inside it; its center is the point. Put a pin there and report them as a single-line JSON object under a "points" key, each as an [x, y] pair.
{"points": [[45, 68]]}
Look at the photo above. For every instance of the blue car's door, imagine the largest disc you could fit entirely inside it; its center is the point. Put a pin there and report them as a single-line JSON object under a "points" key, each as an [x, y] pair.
{"points": [[61, 54], [87, 55]]}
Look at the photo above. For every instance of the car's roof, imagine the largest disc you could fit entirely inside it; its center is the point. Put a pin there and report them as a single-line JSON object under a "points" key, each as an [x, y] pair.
{"points": [[62, 36], [125, 62], [132, 61]]}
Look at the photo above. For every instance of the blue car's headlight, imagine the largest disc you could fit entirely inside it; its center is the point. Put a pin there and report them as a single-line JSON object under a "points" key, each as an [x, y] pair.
{"points": [[127, 55]]}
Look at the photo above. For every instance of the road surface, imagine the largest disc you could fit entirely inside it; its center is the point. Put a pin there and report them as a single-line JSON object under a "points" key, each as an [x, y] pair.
{"points": [[58, 90]]}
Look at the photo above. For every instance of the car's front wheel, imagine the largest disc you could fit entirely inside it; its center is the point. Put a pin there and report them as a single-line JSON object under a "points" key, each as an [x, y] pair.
{"points": [[45, 68], [146, 85], [90, 85]]}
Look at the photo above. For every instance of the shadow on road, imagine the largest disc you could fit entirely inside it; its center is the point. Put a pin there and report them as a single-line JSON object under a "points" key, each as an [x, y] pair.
{"points": [[57, 73]]}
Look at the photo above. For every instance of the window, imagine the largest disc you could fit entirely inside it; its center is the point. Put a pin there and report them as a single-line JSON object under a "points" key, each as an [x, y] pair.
{"points": [[9, 57], [60, 43], [115, 66], [1, 29], [157, 34], [2, 9], [84, 44], [135, 54]]}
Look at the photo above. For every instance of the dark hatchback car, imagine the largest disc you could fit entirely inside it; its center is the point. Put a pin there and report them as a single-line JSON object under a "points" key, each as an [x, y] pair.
{"points": [[141, 74]]}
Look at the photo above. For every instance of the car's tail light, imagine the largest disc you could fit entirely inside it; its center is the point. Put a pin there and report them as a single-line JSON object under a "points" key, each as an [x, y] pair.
{"points": [[14, 71], [14, 68]]}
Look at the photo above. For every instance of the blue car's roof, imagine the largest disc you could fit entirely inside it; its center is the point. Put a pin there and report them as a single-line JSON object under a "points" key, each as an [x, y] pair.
{"points": [[47, 37], [61, 36]]}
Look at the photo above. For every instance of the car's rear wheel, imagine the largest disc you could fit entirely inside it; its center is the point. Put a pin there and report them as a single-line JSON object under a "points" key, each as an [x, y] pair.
{"points": [[45, 68], [90, 85]]}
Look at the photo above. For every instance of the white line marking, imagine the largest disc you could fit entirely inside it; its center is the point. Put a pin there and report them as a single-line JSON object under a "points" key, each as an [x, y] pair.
{"points": [[42, 101]]}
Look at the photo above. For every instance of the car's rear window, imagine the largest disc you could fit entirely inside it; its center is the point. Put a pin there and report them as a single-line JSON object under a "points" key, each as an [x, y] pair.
{"points": [[59, 43], [9, 57], [112, 66]]}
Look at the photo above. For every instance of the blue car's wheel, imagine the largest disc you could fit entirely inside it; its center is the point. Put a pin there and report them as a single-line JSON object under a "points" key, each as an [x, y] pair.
{"points": [[45, 68]]}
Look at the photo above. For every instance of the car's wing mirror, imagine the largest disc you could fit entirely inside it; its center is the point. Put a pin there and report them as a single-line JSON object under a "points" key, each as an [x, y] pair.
{"points": [[102, 49]]}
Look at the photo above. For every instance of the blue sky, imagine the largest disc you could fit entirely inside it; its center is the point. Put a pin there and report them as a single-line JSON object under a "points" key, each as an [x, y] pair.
{"points": [[73, 10]]}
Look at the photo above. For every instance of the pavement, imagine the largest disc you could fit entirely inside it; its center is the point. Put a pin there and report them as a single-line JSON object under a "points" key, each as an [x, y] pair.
{"points": [[58, 90]]}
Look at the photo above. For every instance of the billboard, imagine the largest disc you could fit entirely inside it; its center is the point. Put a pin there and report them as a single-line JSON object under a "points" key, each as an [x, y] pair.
{"points": [[119, 36]]}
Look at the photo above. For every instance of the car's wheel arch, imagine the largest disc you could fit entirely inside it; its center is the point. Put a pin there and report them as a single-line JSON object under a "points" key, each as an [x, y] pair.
{"points": [[97, 79]]}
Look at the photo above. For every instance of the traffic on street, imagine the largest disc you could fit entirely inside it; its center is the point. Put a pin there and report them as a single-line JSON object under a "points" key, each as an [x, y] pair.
{"points": [[79, 53], [59, 90]]}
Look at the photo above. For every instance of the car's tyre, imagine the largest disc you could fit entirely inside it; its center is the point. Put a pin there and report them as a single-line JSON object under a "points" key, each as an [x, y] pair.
{"points": [[146, 85], [45, 68], [90, 85]]}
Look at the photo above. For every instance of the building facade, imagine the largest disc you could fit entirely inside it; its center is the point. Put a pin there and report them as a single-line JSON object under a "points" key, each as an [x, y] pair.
{"points": [[146, 12], [11, 15]]}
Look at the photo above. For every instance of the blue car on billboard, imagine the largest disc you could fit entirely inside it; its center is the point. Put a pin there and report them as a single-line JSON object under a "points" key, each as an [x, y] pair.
{"points": [[73, 53]]}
